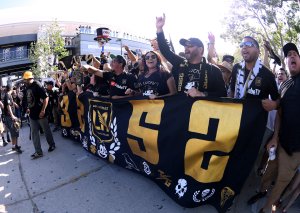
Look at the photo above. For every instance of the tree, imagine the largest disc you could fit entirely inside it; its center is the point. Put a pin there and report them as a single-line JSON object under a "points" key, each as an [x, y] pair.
{"points": [[276, 21], [48, 49]]}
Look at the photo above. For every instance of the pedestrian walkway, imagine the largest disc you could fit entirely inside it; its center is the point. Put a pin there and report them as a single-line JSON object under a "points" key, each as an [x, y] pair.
{"points": [[71, 180]]}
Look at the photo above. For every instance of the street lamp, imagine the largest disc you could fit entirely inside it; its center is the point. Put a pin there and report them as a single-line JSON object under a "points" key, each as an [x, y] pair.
{"points": [[120, 40]]}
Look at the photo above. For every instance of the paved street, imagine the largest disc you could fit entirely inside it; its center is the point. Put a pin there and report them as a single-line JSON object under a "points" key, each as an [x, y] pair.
{"points": [[70, 180]]}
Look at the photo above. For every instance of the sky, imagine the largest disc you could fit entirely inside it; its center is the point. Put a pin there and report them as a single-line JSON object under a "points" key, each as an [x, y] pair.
{"points": [[184, 19]]}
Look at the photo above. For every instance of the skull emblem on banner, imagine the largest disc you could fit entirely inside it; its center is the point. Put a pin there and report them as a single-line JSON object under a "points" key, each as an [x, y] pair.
{"points": [[181, 187], [102, 152]]}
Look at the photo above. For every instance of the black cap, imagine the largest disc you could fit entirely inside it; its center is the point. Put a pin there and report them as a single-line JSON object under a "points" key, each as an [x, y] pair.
{"points": [[289, 46], [50, 83], [228, 58], [191, 41]]}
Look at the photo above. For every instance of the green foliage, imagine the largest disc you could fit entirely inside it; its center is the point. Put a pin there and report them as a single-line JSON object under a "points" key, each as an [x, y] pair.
{"points": [[50, 43], [276, 21]]}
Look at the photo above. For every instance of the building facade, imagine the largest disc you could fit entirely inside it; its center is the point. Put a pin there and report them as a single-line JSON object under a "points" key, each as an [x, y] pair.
{"points": [[15, 41]]}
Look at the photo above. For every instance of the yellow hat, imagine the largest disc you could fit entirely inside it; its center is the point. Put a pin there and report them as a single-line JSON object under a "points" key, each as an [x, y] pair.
{"points": [[27, 75]]}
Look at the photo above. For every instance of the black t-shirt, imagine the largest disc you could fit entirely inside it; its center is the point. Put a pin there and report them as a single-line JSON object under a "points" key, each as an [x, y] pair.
{"points": [[8, 101], [262, 86], [35, 96], [101, 86], [289, 135], [118, 84], [53, 98], [155, 84]]}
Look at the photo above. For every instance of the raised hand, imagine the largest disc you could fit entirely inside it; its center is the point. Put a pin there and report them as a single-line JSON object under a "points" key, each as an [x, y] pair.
{"points": [[160, 22], [267, 45], [211, 37]]}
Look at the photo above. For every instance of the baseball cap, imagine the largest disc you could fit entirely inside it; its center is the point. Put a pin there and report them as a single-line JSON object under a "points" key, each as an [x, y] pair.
{"points": [[27, 75], [288, 47], [49, 83], [191, 41], [228, 58]]}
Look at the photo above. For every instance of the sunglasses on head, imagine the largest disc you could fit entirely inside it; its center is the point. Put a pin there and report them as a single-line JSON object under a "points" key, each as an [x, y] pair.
{"points": [[247, 44], [150, 56]]}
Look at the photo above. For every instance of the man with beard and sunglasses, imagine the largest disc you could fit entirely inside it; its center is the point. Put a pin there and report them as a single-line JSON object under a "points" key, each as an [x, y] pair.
{"points": [[192, 74], [251, 79]]}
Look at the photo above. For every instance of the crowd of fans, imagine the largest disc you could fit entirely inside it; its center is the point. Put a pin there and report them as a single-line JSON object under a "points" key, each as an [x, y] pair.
{"points": [[160, 72]]}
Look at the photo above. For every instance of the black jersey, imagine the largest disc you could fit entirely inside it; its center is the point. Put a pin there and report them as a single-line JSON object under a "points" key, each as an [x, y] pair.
{"points": [[289, 133], [155, 84], [118, 84], [262, 86]]}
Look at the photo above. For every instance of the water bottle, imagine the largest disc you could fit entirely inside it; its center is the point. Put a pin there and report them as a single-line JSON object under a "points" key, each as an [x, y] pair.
{"points": [[272, 153]]}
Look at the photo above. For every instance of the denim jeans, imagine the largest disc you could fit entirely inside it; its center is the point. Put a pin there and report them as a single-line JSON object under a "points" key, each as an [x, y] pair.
{"points": [[35, 133]]}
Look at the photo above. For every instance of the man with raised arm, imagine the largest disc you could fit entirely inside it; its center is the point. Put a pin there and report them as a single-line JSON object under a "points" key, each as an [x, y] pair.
{"points": [[193, 75]]}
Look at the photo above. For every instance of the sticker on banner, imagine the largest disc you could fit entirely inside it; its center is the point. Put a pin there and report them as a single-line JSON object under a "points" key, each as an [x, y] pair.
{"points": [[166, 178], [205, 195], [85, 142], [65, 132], [147, 169], [226, 194], [181, 187], [130, 163], [102, 152]]}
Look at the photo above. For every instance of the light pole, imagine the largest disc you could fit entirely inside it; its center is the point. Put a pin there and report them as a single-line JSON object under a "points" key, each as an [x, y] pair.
{"points": [[120, 40]]}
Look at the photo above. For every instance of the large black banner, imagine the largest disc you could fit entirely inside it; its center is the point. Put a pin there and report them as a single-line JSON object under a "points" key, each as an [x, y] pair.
{"points": [[199, 151]]}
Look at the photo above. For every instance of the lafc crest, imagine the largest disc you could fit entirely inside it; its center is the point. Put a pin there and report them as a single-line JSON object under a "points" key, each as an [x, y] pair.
{"points": [[101, 114]]}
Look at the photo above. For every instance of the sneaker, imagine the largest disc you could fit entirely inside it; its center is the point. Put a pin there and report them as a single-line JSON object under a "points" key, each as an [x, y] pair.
{"points": [[4, 143], [14, 148], [256, 197], [17, 149], [51, 148], [36, 155]]}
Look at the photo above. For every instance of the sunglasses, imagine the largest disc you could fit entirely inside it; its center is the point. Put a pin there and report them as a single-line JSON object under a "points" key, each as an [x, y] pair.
{"points": [[150, 56], [247, 44]]}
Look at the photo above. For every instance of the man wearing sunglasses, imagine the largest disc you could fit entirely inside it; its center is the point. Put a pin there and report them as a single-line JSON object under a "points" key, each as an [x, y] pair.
{"points": [[251, 79], [192, 74]]}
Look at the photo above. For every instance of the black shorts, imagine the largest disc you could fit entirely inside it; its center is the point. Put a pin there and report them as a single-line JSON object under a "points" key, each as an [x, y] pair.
{"points": [[10, 126]]}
